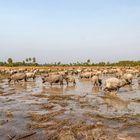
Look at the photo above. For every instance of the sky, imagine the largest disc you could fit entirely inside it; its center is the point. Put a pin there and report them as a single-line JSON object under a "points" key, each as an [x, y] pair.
{"points": [[70, 30]]}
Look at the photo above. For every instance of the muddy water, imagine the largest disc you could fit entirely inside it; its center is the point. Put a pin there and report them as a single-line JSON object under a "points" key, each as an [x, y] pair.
{"points": [[36, 111]]}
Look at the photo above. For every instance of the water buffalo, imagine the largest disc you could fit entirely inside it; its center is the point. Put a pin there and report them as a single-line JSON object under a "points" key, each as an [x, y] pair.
{"points": [[138, 78], [17, 77], [53, 79], [30, 75], [112, 84], [96, 81], [128, 77], [70, 79], [86, 75]]}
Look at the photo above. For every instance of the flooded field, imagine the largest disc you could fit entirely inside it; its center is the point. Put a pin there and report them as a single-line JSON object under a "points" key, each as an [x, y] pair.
{"points": [[35, 111]]}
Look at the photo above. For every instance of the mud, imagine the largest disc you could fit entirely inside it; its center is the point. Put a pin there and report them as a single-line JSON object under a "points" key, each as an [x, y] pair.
{"points": [[35, 111]]}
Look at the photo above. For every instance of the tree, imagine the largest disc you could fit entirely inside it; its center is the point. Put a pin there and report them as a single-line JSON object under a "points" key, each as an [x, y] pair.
{"points": [[27, 60], [88, 61], [10, 61], [59, 63], [30, 59], [34, 60], [23, 62], [108, 63]]}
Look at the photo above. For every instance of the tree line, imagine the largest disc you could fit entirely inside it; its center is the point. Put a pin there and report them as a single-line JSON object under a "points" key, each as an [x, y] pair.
{"points": [[27, 62], [33, 62]]}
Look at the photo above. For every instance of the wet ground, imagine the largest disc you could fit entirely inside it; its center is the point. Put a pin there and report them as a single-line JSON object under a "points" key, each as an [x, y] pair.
{"points": [[36, 111]]}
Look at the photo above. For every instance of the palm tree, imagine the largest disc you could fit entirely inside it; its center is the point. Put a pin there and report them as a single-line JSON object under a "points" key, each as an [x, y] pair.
{"points": [[34, 60], [27, 60], [30, 59]]}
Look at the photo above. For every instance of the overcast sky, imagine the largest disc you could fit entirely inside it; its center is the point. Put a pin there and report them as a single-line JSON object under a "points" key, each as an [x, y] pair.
{"points": [[70, 30]]}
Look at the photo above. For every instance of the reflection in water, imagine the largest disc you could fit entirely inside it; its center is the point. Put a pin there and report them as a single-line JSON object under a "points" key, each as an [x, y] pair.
{"points": [[31, 84], [1, 90], [139, 86], [95, 90], [69, 88], [128, 87], [116, 102], [84, 80], [55, 90], [20, 87], [43, 90], [25, 86], [1, 87]]}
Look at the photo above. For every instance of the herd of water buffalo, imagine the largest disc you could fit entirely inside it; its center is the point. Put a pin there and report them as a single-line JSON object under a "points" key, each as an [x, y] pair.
{"points": [[115, 77]]}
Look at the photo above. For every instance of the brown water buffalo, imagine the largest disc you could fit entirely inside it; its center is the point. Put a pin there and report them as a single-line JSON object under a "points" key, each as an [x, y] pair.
{"points": [[53, 79], [128, 77], [112, 84], [17, 77], [30, 75], [96, 81], [86, 75], [138, 78], [70, 79]]}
